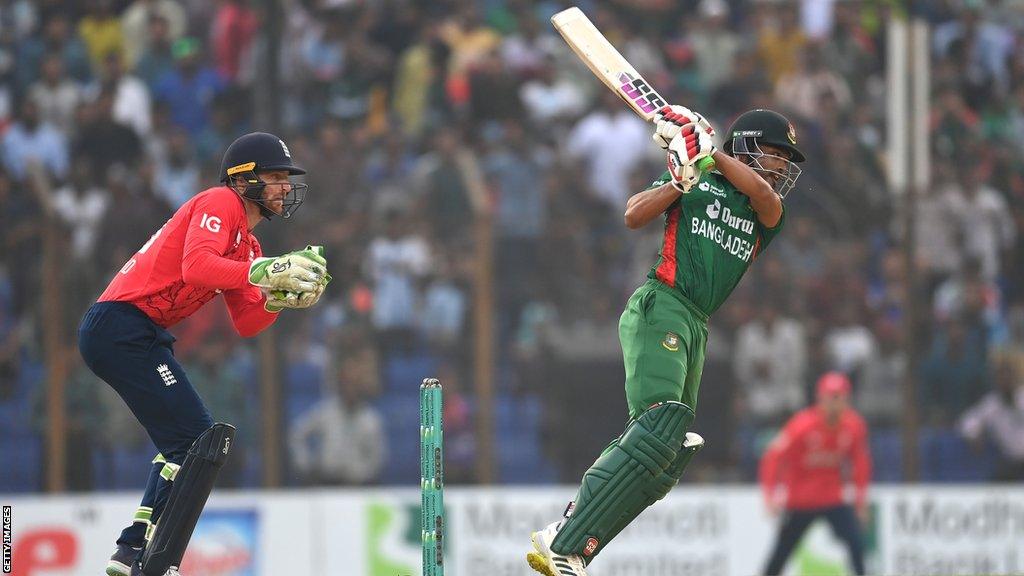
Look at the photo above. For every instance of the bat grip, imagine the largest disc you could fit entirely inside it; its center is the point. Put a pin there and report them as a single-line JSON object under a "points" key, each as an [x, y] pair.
{"points": [[706, 164]]}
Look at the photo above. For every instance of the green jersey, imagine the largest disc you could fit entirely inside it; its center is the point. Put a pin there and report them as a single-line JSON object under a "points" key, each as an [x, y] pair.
{"points": [[712, 235]]}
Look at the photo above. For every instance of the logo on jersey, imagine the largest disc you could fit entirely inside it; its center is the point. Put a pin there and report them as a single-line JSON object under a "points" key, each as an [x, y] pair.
{"points": [[714, 210], [706, 186], [166, 375], [211, 223], [671, 342], [285, 148]]}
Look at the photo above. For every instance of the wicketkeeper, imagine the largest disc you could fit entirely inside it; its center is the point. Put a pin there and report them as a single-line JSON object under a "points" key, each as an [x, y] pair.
{"points": [[716, 224], [207, 248]]}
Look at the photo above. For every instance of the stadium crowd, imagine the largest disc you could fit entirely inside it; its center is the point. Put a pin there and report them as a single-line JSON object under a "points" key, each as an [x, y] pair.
{"points": [[418, 120]]}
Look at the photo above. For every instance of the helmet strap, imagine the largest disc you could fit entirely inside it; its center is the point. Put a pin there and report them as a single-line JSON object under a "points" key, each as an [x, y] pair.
{"points": [[253, 191]]}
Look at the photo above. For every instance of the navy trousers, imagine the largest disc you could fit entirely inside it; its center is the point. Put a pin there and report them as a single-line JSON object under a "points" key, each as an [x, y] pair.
{"points": [[844, 525], [135, 356]]}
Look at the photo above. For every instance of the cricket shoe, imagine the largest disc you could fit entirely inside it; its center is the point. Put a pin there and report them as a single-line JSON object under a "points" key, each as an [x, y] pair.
{"points": [[137, 571], [550, 563], [120, 563]]}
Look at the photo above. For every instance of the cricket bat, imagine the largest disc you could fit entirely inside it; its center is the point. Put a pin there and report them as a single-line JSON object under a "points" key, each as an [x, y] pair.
{"points": [[611, 67]]}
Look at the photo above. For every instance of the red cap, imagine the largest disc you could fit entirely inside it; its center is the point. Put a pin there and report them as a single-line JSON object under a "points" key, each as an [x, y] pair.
{"points": [[833, 384]]}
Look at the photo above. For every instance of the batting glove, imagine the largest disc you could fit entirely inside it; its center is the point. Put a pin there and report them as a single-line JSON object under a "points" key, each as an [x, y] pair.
{"points": [[671, 119], [691, 145]]}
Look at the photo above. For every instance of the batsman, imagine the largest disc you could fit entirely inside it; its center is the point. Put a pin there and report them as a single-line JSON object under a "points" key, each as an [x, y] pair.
{"points": [[716, 224], [206, 249]]}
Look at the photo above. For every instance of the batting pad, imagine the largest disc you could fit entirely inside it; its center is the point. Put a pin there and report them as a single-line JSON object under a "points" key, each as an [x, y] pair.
{"points": [[618, 486], [190, 489], [666, 481]]}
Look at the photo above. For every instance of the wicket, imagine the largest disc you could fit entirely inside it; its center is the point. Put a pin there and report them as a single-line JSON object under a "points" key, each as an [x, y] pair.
{"points": [[432, 477]]}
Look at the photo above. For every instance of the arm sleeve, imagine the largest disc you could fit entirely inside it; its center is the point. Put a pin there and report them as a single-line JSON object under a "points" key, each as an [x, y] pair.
{"points": [[765, 235], [775, 457], [861, 463], [248, 313], [206, 240]]}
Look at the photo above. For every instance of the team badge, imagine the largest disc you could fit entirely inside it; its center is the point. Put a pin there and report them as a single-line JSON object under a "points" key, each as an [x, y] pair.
{"points": [[791, 134], [671, 342], [591, 546]]}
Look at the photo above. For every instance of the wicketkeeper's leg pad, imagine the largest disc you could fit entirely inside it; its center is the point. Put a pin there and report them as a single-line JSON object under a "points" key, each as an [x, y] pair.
{"points": [[192, 483], [621, 482]]}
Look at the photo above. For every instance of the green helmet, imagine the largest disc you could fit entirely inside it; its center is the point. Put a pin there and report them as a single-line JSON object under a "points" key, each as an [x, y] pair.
{"points": [[756, 128]]}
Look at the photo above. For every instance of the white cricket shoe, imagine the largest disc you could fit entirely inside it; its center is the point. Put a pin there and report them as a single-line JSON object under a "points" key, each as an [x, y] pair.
{"points": [[550, 563]]}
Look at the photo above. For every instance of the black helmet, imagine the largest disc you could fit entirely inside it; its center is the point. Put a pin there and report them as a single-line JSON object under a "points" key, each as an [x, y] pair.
{"points": [[765, 127], [259, 152]]}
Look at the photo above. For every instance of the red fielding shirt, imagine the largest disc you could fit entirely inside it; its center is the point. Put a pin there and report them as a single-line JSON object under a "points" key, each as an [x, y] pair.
{"points": [[808, 456], [205, 249]]}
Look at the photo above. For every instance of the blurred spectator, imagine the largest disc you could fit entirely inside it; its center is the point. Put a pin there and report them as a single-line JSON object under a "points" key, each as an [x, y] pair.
{"points": [[81, 205], [770, 358], [849, 342], [137, 26], [156, 57], [176, 177], [189, 88], [396, 262], [969, 295], [512, 167], [982, 46], [954, 373], [469, 39], [418, 92], [444, 310], [802, 88], [780, 41], [549, 97], [451, 188], [32, 140], [131, 104], [999, 418], [84, 418], [715, 44], [982, 218], [231, 35], [878, 393], [56, 95], [347, 430], [100, 29], [102, 139], [609, 143], [459, 428], [58, 37]]}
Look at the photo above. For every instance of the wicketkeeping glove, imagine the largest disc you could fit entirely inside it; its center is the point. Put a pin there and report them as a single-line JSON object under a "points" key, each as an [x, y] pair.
{"points": [[298, 271], [279, 299], [671, 119], [686, 156]]}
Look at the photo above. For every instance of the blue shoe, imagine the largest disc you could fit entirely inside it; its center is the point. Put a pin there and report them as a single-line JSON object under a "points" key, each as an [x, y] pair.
{"points": [[121, 561]]}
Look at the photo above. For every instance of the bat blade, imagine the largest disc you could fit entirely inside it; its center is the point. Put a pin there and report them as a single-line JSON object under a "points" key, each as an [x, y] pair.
{"points": [[591, 46]]}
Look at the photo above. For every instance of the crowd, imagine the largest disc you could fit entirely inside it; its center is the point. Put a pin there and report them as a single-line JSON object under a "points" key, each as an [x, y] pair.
{"points": [[418, 121]]}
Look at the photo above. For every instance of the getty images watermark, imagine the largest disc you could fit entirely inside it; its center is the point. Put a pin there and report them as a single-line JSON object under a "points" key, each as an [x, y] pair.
{"points": [[7, 539]]}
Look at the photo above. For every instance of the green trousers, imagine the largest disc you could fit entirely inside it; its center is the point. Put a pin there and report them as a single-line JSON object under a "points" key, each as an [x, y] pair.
{"points": [[664, 338]]}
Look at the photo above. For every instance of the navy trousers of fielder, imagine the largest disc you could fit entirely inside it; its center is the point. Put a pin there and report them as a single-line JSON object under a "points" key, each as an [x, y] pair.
{"points": [[135, 356], [844, 525]]}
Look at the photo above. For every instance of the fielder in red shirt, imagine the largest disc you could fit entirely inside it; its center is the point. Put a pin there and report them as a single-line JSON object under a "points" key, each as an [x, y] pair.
{"points": [[802, 472], [207, 248]]}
